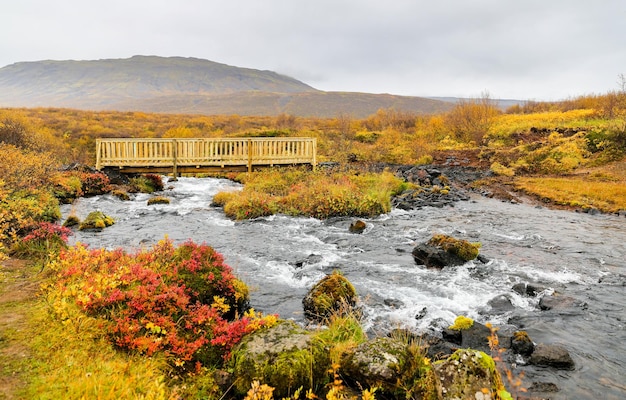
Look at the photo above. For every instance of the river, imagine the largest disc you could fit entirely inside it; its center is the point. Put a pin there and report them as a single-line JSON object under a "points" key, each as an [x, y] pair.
{"points": [[280, 258]]}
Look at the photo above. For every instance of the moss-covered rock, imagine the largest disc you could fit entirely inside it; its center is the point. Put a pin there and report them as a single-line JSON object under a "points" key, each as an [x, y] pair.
{"points": [[71, 221], [398, 368], [333, 294], [522, 344], [158, 200], [462, 248], [285, 357], [357, 226], [96, 220], [468, 372], [442, 250], [121, 194]]}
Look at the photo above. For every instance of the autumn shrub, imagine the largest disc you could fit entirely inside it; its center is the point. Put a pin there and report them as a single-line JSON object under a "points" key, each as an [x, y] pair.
{"points": [[66, 187], [94, 183], [182, 302], [314, 194], [470, 120], [43, 242], [21, 211], [251, 205], [25, 169]]}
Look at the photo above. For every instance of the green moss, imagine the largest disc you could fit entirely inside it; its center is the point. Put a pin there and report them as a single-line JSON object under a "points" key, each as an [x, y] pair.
{"points": [[462, 248], [96, 220], [461, 323], [285, 357], [333, 294], [467, 371]]}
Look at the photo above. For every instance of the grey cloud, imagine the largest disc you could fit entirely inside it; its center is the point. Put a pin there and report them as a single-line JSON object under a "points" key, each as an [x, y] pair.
{"points": [[530, 49]]}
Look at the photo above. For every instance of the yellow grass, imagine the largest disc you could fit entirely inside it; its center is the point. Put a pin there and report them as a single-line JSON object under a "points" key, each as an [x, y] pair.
{"points": [[603, 188]]}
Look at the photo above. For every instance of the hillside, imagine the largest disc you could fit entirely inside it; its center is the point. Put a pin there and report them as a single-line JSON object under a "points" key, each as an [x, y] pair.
{"points": [[184, 85]]}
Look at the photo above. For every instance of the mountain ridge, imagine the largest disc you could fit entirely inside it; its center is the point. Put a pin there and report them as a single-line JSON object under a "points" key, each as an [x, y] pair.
{"points": [[184, 85]]}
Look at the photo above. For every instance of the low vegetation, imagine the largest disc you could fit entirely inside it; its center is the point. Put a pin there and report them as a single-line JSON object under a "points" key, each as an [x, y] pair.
{"points": [[320, 194]]}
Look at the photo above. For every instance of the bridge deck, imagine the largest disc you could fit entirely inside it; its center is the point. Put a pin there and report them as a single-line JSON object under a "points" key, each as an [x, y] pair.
{"points": [[202, 154]]}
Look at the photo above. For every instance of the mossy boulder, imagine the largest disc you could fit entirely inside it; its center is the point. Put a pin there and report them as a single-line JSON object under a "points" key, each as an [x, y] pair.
{"points": [[522, 344], [468, 333], [398, 368], [442, 250], [285, 357], [333, 294], [468, 372], [71, 221], [158, 200], [96, 220], [121, 194], [357, 226]]}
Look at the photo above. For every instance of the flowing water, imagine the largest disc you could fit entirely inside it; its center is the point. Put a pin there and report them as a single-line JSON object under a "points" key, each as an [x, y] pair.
{"points": [[578, 255]]}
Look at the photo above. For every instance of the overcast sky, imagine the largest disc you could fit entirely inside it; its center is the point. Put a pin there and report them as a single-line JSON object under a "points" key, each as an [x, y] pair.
{"points": [[522, 49]]}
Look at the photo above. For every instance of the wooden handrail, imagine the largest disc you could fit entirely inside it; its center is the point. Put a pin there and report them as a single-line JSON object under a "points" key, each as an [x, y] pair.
{"points": [[175, 153]]}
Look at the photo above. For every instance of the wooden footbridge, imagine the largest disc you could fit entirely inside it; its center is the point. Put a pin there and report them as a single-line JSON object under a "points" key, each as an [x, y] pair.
{"points": [[178, 155]]}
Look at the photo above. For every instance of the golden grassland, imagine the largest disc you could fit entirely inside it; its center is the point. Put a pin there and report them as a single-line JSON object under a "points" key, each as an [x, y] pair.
{"points": [[602, 188]]}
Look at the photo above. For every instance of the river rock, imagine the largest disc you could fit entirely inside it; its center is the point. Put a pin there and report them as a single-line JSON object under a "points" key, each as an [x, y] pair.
{"points": [[332, 294], [521, 343], [443, 250], [357, 226], [476, 337], [383, 362], [466, 373], [543, 387], [551, 355], [560, 302], [283, 357], [310, 260], [437, 348], [435, 257], [528, 289], [501, 304]]}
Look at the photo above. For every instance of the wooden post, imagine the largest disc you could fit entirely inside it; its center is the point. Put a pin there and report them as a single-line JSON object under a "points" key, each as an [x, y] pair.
{"points": [[249, 155], [314, 144], [98, 157], [174, 159]]}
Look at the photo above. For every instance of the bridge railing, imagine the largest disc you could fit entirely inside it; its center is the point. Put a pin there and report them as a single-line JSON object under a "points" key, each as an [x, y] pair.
{"points": [[204, 152]]}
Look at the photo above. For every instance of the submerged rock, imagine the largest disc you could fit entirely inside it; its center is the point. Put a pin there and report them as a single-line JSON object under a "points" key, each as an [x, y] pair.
{"points": [[560, 302], [551, 355], [528, 289]]}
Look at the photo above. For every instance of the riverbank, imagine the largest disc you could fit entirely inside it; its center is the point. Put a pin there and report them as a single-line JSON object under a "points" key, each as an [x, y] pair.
{"points": [[594, 189]]}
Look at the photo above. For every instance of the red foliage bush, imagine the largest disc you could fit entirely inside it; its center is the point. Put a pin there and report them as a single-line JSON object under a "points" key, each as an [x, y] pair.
{"points": [[183, 301]]}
